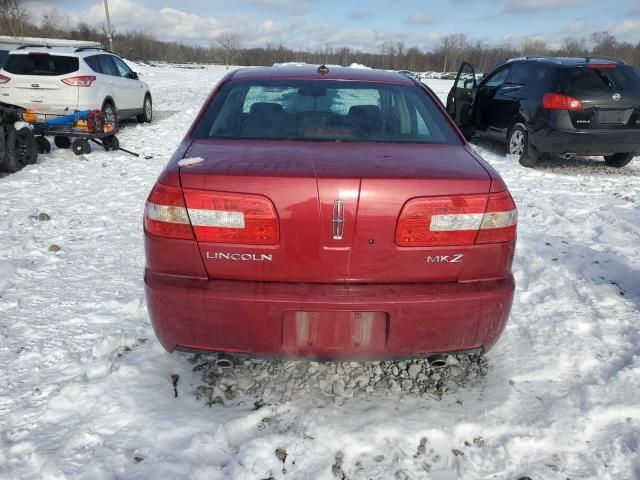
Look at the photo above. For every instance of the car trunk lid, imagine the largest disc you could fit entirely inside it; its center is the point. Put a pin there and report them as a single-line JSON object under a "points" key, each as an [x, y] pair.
{"points": [[337, 205]]}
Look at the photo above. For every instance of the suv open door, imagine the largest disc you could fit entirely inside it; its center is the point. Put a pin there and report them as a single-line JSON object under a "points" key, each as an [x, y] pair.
{"points": [[460, 98]]}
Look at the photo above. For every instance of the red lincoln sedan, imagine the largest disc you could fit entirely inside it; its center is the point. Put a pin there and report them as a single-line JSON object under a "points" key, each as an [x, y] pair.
{"points": [[328, 213]]}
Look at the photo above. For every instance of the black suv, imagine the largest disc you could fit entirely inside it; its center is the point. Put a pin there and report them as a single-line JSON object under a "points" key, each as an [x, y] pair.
{"points": [[553, 105]]}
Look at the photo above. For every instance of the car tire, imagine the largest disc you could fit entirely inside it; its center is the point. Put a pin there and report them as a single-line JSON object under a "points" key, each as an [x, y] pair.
{"points": [[62, 142], [21, 149], [81, 146], [147, 110], [518, 144], [111, 143], [110, 113], [618, 160], [44, 145]]}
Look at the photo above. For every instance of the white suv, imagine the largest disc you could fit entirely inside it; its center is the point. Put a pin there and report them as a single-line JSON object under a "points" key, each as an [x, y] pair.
{"points": [[63, 80]]}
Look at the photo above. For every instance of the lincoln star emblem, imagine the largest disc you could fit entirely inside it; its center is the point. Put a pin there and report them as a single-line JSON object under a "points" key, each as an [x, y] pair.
{"points": [[337, 220], [616, 97]]}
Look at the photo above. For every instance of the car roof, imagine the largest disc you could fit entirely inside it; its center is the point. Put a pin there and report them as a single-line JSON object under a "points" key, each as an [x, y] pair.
{"points": [[311, 72], [66, 51], [569, 61]]}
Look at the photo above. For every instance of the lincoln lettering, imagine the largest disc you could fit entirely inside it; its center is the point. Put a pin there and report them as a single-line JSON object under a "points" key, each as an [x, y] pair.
{"points": [[239, 257]]}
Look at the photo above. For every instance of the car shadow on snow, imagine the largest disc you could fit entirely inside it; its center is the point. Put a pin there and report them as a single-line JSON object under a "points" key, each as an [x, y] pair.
{"points": [[556, 164]]}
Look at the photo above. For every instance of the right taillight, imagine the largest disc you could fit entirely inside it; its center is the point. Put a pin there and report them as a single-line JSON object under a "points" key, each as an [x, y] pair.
{"points": [[457, 220], [81, 81], [557, 101], [4, 79]]}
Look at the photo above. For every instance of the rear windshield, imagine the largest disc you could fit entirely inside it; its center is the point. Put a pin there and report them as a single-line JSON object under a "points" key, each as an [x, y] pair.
{"points": [[324, 110], [3, 57], [41, 64], [583, 80]]}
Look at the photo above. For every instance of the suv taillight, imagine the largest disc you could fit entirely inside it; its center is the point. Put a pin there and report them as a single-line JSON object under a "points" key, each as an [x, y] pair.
{"points": [[232, 218], [4, 79], [557, 101], [212, 216], [165, 213], [82, 81], [457, 220]]}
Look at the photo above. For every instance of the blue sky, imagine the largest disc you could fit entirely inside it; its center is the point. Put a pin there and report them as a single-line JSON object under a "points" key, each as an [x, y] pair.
{"points": [[360, 25]]}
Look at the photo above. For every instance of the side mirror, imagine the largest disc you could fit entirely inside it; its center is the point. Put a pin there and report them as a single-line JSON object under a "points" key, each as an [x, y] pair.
{"points": [[133, 76]]}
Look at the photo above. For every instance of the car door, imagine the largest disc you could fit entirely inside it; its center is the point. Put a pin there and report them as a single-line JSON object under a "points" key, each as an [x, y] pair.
{"points": [[488, 114], [132, 88], [461, 96], [506, 103]]}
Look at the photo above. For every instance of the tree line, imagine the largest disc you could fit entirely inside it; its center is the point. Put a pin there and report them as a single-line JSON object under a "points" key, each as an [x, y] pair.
{"points": [[452, 49]]}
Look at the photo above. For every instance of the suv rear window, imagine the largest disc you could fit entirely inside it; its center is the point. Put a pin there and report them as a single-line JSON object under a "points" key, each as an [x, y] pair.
{"points": [[4, 54], [41, 64], [324, 110], [581, 80]]}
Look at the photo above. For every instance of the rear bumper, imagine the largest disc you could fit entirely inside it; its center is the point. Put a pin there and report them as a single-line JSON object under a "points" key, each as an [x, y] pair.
{"points": [[595, 142], [357, 321]]}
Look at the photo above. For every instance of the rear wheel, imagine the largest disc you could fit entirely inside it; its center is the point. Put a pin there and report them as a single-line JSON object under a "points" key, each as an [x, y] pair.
{"points": [[618, 160], [518, 145], [147, 111], [21, 147]]}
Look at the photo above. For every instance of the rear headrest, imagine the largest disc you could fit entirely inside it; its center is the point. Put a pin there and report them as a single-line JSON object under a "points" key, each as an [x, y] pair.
{"points": [[265, 108], [366, 117]]}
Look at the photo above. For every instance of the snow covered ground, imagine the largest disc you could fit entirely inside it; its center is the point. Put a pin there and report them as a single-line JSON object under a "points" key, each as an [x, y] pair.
{"points": [[86, 390]]}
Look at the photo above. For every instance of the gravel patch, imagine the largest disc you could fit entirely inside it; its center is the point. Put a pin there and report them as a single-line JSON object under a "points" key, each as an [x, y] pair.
{"points": [[272, 382]]}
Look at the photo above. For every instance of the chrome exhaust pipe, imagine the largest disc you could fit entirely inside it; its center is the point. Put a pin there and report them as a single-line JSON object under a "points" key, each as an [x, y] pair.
{"points": [[224, 362], [568, 155], [437, 361]]}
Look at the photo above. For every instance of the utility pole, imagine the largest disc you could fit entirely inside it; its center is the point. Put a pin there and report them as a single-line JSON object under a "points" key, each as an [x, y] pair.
{"points": [[109, 31]]}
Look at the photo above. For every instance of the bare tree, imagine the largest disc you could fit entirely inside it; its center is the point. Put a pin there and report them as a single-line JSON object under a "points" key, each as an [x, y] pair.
{"points": [[229, 43], [13, 17]]}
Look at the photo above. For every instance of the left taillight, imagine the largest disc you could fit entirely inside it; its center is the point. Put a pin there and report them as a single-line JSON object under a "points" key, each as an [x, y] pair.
{"points": [[165, 213], [457, 220], [4, 79], [81, 81]]}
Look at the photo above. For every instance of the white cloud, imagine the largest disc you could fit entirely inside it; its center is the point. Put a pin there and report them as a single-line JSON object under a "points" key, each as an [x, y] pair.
{"points": [[291, 7], [578, 27], [533, 6], [626, 29], [420, 19]]}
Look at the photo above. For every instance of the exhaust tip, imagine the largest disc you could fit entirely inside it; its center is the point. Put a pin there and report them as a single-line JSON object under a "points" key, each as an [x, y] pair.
{"points": [[437, 361], [224, 363], [568, 155]]}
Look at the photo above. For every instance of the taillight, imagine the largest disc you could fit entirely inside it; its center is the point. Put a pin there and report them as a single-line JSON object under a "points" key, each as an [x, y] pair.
{"points": [[607, 66], [557, 101], [232, 218], [3, 79], [165, 213], [457, 220], [82, 81]]}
